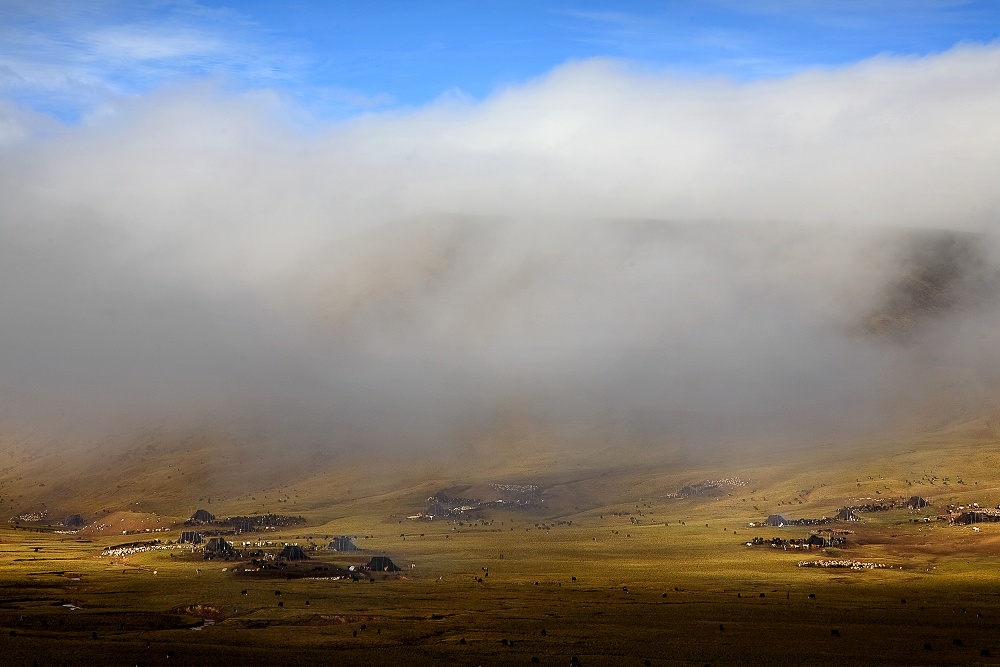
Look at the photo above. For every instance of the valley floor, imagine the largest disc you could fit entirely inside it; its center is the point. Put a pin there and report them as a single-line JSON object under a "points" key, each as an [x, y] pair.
{"points": [[613, 567], [603, 590]]}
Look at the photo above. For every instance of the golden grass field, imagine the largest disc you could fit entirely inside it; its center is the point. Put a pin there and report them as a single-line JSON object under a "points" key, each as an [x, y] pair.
{"points": [[577, 576]]}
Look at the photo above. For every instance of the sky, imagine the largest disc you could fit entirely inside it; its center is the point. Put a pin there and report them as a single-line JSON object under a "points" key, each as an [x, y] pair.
{"points": [[417, 225], [72, 58]]}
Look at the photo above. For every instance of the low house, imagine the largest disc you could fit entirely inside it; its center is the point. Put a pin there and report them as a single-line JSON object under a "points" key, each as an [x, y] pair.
{"points": [[202, 516], [775, 520], [217, 545], [436, 508], [817, 541], [343, 543], [243, 524], [916, 503], [847, 514], [382, 564], [293, 552]]}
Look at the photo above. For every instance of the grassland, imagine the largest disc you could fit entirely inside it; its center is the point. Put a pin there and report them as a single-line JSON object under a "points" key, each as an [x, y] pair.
{"points": [[610, 568]]}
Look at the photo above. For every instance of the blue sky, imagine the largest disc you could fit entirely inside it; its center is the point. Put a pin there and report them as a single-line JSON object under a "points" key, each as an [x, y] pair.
{"points": [[68, 58]]}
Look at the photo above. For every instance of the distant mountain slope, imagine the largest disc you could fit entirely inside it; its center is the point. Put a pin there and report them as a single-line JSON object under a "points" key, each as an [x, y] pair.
{"points": [[694, 330], [461, 342], [940, 272]]}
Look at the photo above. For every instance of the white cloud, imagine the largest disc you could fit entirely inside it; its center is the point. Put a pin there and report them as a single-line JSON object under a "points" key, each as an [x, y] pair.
{"points": [[75, 59], [142, 43], [199, 247]]}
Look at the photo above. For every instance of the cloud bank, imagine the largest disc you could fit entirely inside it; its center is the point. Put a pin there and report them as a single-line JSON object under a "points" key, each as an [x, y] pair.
{"points": [[424, 277]]}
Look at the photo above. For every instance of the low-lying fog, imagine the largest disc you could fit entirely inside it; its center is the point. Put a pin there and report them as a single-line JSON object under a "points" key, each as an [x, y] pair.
{"points": [[602, 255]]}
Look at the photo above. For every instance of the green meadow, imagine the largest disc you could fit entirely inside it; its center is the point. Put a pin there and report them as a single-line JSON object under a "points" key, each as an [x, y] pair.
{"points": [[610, 567]]}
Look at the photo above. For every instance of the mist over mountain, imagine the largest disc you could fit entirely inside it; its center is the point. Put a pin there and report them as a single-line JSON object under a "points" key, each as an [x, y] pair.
{"points": [[430, 333], [600, 256]]}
